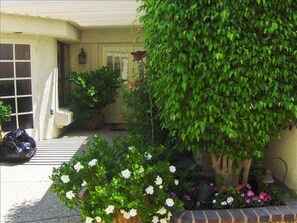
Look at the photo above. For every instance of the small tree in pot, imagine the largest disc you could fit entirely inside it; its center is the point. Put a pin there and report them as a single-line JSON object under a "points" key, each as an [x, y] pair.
{"points": [[92, 91], [5, 112]]}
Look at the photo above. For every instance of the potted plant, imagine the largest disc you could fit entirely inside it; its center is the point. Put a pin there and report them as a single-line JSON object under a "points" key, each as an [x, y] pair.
{"points": [[92, 91], [5, 112], [122, 180]]}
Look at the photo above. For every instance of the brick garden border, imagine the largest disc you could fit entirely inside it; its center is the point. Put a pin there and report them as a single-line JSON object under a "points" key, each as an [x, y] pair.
{"points": [[286, 213]]}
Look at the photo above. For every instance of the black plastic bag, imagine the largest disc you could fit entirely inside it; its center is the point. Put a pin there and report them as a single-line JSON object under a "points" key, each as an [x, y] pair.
{"points": [[17, 146]]}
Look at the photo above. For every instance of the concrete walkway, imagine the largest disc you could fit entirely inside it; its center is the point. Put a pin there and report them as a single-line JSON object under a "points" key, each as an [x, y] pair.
{"points": [[24, 187]]}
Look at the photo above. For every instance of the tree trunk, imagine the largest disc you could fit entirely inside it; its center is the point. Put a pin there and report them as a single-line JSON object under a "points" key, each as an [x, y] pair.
{"points": [[224, 169]]}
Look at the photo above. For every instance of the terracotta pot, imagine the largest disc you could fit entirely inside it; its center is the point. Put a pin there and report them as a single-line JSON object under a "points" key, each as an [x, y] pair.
{"points": [[95, 123]]}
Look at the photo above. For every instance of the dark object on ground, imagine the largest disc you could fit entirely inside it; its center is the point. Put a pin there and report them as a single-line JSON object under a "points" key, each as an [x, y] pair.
{"points": [[17, 146]]}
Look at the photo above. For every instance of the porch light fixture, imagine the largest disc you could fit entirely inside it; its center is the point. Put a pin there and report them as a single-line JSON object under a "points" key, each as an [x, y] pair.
{"points": [[82, 57]]}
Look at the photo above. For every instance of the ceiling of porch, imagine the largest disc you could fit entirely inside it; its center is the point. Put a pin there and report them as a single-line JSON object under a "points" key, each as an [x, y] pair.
{"points": [[85, 14]]}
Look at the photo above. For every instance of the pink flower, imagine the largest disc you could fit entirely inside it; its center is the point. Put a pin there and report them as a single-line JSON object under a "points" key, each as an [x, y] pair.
{"points": [[250, 193], [248, 186], [242, 195], [187, 197], [248, 201]]}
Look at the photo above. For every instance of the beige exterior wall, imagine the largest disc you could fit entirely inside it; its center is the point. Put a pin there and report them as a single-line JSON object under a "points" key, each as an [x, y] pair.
{"points": [[285, 149], [95, 44], [43, 65], [42, 34], [38, 26]]}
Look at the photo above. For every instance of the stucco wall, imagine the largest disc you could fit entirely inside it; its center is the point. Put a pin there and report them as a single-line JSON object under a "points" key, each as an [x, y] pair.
{"points": [[95, 43], [285, 149], [43, 65]]}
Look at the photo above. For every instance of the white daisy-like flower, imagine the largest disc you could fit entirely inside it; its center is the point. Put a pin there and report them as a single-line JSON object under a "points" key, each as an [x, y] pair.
{"points": [[125, 214], [126, 173], [65, 179], [133, 212], [98, 219], [163, 220], [214, 201], [78, 166], [158, 180], [169, 214], [176, 182], [223, 203], [109, 209], [131, 147], [148, 156], [155, 219], [70, 195], [169, 202], [89, 220], [141, 169], [230, 200], [162, 211], [172, 169], [92, 162], [149, 190], [84, 183], [161, 186]]}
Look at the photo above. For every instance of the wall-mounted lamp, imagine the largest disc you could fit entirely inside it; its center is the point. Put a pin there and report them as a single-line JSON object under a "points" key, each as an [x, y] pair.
{"points": [[82, 57]]}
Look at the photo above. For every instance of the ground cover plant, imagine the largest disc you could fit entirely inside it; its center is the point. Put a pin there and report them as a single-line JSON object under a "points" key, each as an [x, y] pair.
{"points": [[223, 75]]}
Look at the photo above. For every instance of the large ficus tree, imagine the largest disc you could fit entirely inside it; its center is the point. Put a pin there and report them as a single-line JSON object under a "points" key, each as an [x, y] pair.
{"points": [[223, 74]]}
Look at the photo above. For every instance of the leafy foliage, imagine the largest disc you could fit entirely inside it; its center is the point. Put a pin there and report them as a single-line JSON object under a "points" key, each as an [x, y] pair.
{"points": [[93, 90], [5, 112], [223, 73], [127, 177]]}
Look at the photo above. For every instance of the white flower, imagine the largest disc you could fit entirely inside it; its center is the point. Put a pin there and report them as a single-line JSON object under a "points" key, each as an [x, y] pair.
{"points": [[149, 190], [125, 214], [84, 184], [89, 220], [78, 166], [158, 180], [155, 219], [65, 179], [176, 182], [161, 186], [133, 212], [70, 195], [126, 173], [217, 194], [131, 147], [172, 169], [214, 201], [223, 203], [169, 202], [230, 200], [141, 169], [148, 156], [98, 219], [163, 220], [162, 211], [92, 162], [109, 209], [169, 214]]}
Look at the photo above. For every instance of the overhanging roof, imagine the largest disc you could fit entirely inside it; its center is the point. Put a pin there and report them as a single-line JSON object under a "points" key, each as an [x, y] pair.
{"points": [[85, 14]]}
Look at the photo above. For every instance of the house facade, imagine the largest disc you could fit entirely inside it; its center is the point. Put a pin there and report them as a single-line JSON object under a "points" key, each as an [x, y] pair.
{"points": [[36, 55], [37, 52]]}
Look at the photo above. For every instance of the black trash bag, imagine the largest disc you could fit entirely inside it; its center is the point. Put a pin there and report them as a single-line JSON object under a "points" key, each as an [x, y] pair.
{"points": [[17, 146]]}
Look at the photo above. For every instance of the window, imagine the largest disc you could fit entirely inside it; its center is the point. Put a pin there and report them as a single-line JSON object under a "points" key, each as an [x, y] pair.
{"points": [[15, 84], [118, 60]]}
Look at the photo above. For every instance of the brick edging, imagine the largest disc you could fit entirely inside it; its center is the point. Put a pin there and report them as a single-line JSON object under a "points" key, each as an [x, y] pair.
{"points": [[286, 213]]}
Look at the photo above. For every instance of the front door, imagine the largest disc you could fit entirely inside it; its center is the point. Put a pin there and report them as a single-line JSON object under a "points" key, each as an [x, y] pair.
{"points": [[120, 59]]}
